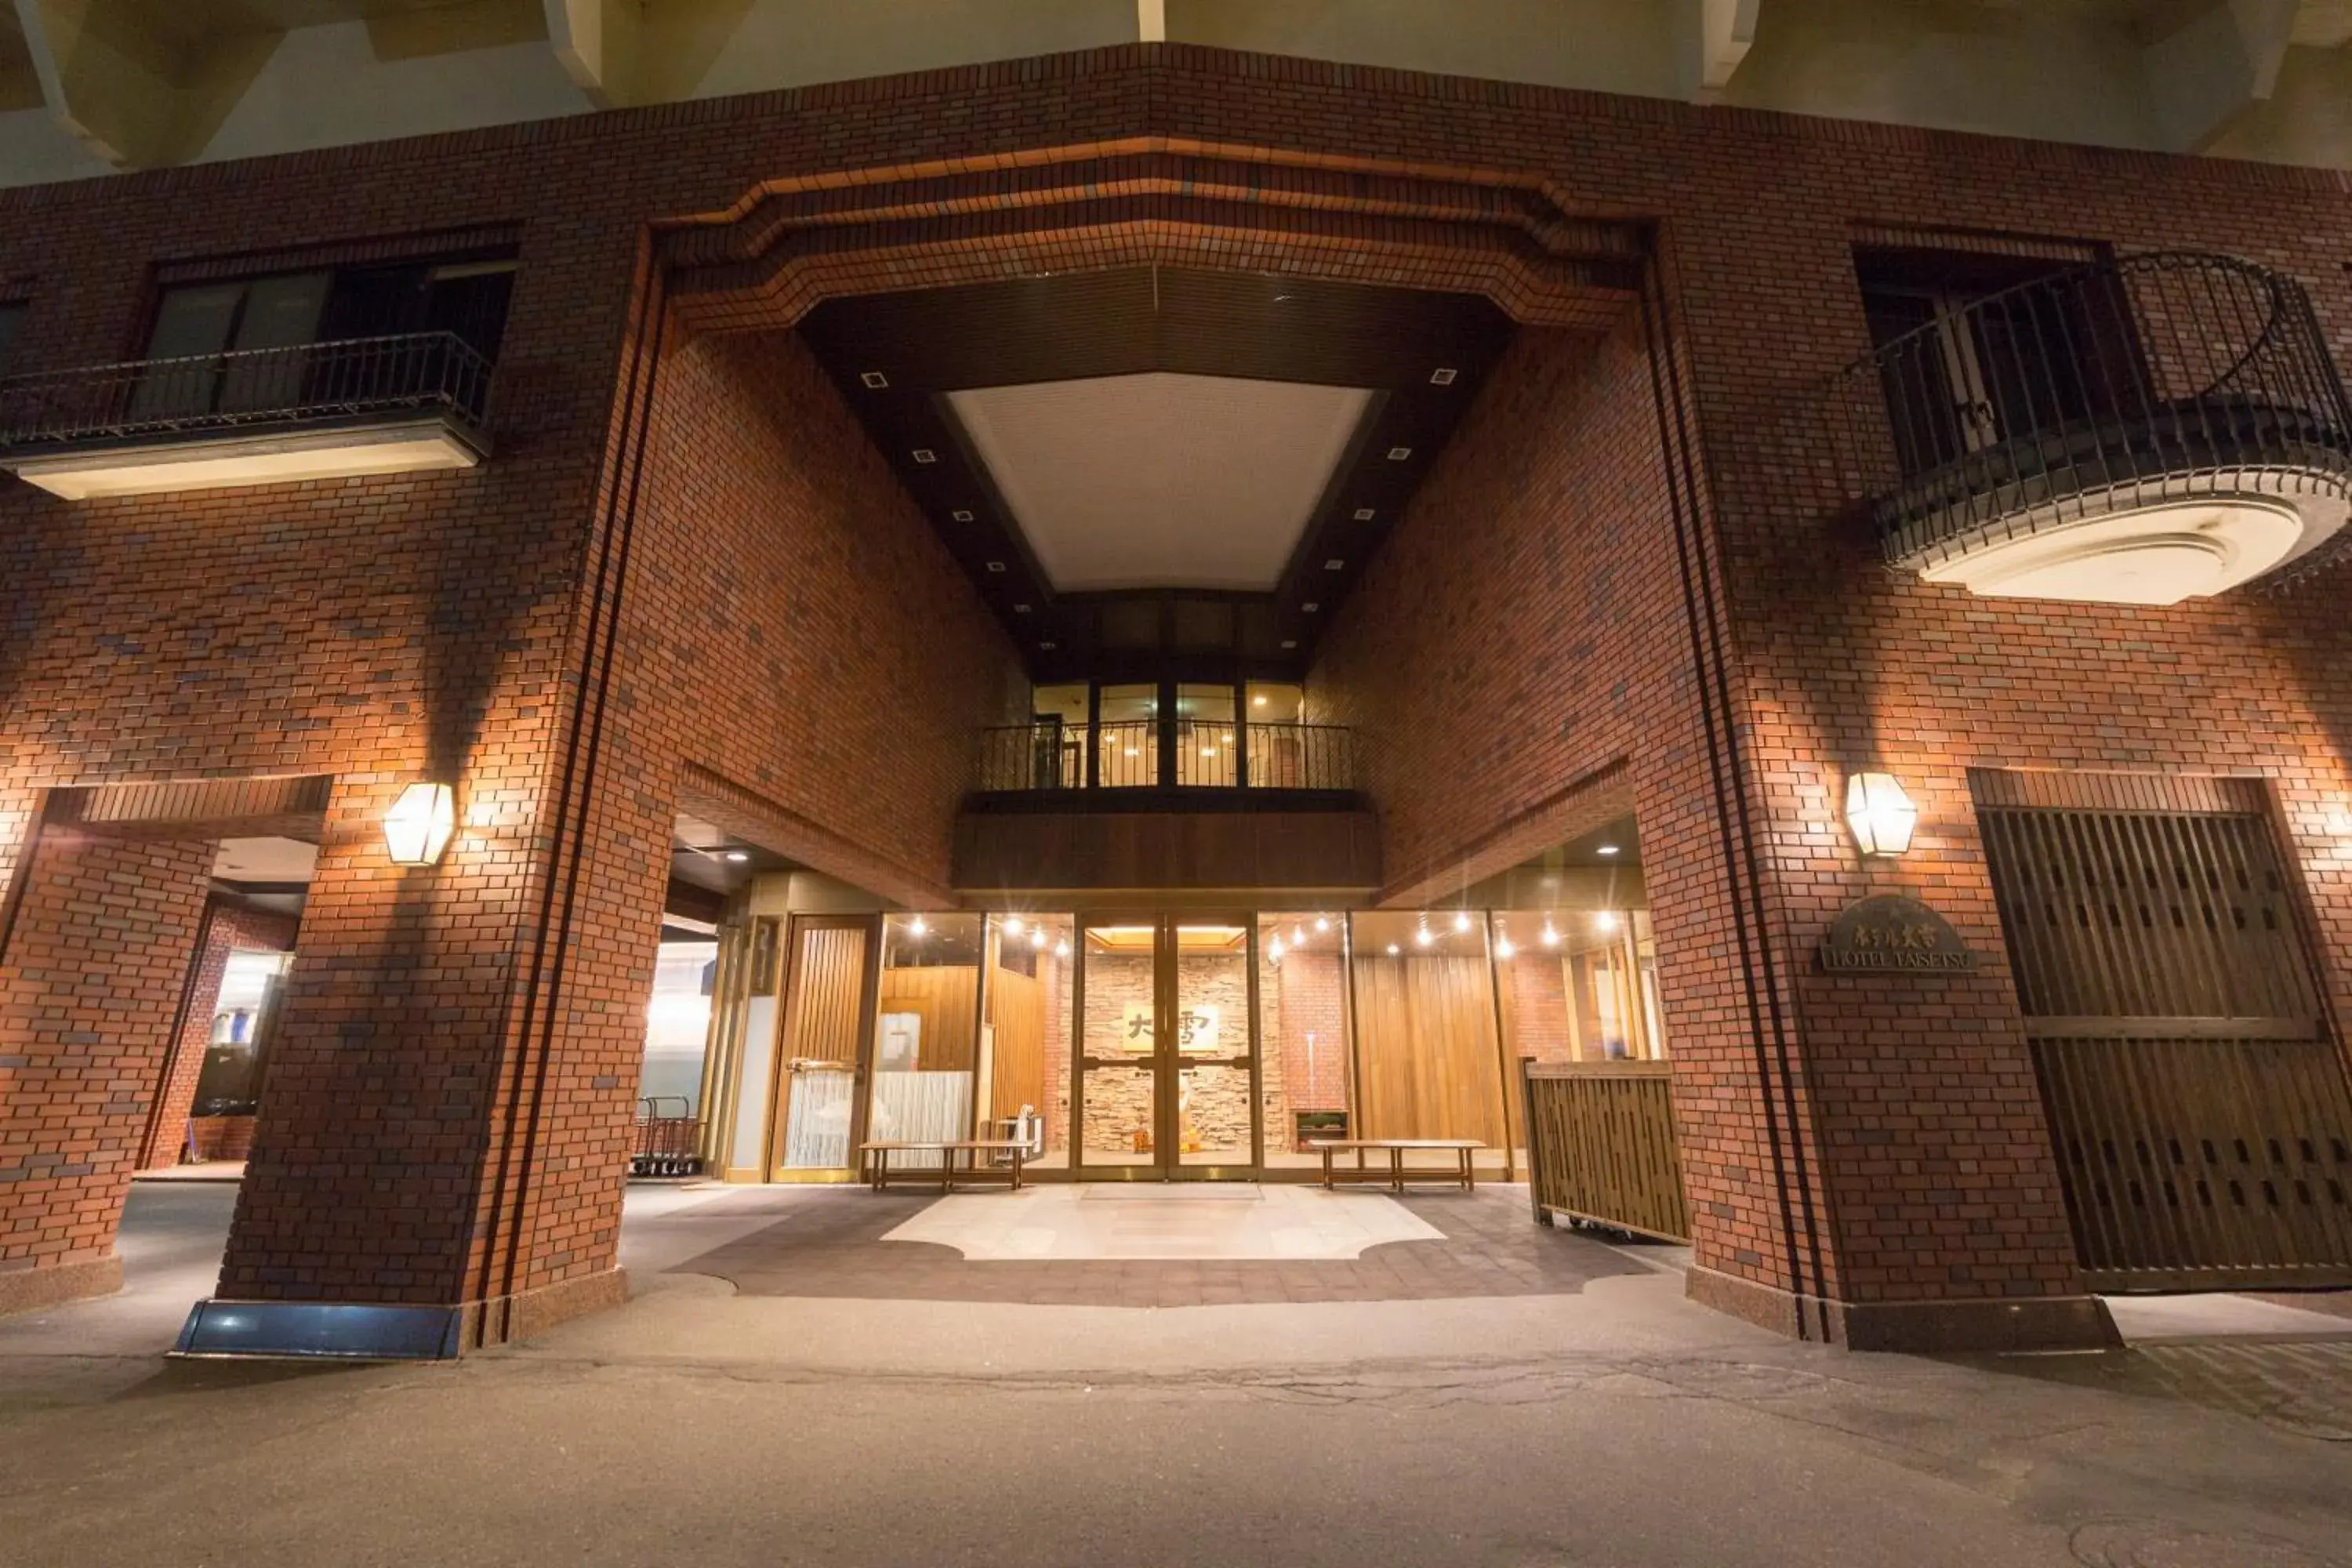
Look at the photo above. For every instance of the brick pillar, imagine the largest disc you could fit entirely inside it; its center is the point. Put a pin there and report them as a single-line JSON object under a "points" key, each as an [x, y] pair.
{"points": [[231, 930], [91, 983], [434, 1134]]}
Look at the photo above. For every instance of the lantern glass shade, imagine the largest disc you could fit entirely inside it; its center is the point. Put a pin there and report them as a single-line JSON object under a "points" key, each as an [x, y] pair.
{"points": [[1880, 814], [417, 827]]}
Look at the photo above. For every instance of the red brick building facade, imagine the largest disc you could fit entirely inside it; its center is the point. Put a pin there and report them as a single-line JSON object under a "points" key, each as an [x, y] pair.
{"points": [[684, 581]]}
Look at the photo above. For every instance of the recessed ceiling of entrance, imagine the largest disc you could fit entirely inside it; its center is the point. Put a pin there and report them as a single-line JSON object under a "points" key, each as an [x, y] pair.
{"points": [[1161, 481], [270, 860], [1153, 463]]}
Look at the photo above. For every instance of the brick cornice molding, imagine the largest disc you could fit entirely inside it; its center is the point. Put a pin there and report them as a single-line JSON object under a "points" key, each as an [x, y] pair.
{"points": [[789, 243]]}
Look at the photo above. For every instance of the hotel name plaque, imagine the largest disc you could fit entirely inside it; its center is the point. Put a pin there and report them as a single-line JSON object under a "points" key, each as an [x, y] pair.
{"points": [[1892, 934]]}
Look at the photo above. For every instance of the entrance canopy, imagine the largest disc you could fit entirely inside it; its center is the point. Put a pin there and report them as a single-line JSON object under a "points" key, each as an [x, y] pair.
{"points": [[1154, 460]]}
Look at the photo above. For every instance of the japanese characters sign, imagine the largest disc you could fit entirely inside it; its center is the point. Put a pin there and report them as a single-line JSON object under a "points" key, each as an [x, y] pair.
{"points": [[1196, 1029], [1892, 933]]}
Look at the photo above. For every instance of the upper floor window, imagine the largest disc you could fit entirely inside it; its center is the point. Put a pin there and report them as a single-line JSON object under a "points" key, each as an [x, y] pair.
{"points": [[12, 317], [1125, 736], [467, 298], [1971, 357], [250, 347]]}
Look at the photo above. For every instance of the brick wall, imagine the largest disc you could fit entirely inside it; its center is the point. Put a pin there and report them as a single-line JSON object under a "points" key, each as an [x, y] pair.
{"points": [[1519, 650], [89, 984], [223, 1137], [230, 929], [820, 646], [1538, 998], [1502, 642], [1310, 989]]}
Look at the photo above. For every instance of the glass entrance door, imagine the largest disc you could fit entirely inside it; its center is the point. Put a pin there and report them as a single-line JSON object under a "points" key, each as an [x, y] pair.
{"points": [[1167, 1063], [829, 996], [1117, 1107], [1212, 1060]]}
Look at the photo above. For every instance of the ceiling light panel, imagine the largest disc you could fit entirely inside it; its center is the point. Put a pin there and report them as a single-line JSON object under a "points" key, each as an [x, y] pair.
{"points": [[1162, 479]]}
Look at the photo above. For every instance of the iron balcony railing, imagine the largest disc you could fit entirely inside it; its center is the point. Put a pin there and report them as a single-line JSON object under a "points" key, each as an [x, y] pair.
{"points": [[2150, 379], [1186, 753], [201, 395]]}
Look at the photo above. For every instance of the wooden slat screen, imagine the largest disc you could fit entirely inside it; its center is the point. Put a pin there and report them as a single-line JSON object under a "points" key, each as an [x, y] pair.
{"points": [[2197, 1099], [2146, 915], [822, 1022], [2203, 1164], [1601, 1145]]}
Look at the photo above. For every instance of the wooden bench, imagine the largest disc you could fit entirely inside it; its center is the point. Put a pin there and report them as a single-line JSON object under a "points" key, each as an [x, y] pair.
{"points": [[877, 1173], [1396, 1175]]}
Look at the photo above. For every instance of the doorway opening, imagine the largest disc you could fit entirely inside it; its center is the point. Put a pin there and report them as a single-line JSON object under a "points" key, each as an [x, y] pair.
{"points": [[1168, 1057]]}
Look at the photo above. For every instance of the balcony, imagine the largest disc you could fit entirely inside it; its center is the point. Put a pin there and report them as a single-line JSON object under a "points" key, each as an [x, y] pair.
{"points": [[326, 410], [1146, 809], [1138, 765], [2140, 431]]}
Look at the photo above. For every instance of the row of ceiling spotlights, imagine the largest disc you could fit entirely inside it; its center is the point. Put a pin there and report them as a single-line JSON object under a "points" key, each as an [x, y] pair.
{"points": [[1603, 921]]}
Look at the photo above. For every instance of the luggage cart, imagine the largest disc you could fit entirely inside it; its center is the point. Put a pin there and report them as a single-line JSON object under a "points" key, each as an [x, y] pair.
{"points": [[666, 1145]]}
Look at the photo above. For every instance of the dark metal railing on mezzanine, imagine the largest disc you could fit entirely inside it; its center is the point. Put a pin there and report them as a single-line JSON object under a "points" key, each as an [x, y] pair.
{"points": [[1150, 754]]}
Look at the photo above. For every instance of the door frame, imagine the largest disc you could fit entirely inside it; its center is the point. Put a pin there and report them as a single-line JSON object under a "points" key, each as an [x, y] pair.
{"points": [[1166, 1060], [870, 992]]}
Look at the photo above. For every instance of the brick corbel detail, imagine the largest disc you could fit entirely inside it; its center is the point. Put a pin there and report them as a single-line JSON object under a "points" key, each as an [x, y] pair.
{"points": [[788, 245]]}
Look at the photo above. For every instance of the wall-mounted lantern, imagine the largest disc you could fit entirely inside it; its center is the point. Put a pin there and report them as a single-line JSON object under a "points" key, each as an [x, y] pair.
{"points": [[417, 827], [1880, 814]]}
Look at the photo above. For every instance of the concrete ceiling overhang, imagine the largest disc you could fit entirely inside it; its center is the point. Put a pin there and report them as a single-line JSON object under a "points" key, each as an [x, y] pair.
{"points": [[100, 84], [1301, 244]]}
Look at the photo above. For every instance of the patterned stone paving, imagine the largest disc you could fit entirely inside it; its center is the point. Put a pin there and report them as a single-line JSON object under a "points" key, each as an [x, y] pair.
{"points": [[829, 1243]]}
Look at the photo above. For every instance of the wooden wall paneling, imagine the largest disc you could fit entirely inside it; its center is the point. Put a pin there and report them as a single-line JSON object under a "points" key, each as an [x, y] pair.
{"points": [[1017, 1012], [1122, 851], [1502, 997], [946, 996], [1425, 1035]]}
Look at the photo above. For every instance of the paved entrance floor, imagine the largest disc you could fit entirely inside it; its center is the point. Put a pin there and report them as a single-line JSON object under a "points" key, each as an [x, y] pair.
{"points": [[1237, 1222], [1601, 1421], [1159, 1246]]}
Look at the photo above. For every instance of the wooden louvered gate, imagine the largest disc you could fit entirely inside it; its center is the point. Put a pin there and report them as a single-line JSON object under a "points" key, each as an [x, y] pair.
{"points": [[2197, 1099]]}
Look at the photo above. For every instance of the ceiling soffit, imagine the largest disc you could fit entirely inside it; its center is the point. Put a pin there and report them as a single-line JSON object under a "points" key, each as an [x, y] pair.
{"points": [[1161, 481], [899, 358]]}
